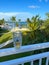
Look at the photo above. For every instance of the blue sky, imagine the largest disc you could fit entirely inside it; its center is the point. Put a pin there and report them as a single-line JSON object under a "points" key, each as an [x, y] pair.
{"points": [[23, 8]]}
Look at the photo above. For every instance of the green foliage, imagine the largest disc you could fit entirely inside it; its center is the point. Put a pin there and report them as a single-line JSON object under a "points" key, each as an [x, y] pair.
{"points": [[2, 31], [39, 31], [47, 14], [2, 21], [13, 18], [5, 37]]}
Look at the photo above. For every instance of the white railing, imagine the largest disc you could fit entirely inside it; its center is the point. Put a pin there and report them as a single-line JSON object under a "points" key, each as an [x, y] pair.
{"points": [[6, 43], [32, 58]]}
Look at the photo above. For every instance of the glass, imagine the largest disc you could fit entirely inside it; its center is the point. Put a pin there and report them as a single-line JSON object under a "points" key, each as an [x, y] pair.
{"points": [[17, 39]]}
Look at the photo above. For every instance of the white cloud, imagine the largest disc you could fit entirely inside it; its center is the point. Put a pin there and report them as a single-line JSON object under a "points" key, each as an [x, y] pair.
{"points": [[12, 13], [19, 15], [34, 6]]}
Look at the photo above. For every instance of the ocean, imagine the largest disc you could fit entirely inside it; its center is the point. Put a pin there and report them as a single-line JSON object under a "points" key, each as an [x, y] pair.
{"points": [[13, 24]]}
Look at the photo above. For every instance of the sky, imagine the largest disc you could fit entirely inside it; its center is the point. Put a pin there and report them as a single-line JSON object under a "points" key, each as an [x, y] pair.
{"points": [[23, 9]]}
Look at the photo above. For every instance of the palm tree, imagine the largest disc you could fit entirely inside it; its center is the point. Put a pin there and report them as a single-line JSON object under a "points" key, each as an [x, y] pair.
{"points": [[34, 25], [19, 20], [46, 23], [2, 21], [13, 18], [28, 23], [47, 14]]}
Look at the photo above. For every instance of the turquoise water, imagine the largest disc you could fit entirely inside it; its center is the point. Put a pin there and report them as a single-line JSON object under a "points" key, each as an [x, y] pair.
{"points": [[13, 24]]}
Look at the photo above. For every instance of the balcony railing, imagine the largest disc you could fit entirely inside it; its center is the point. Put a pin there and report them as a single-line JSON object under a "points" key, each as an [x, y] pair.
{"points": [[31, 59]]}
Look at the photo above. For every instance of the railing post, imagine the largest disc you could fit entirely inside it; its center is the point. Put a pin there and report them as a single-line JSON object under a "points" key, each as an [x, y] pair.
{"points": [[47, 60], [22, 63], [40, 61], [31, 62]]}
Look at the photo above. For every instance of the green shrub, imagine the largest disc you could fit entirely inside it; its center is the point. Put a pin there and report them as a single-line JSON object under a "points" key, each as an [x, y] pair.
{"points": [[5, 37]]}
